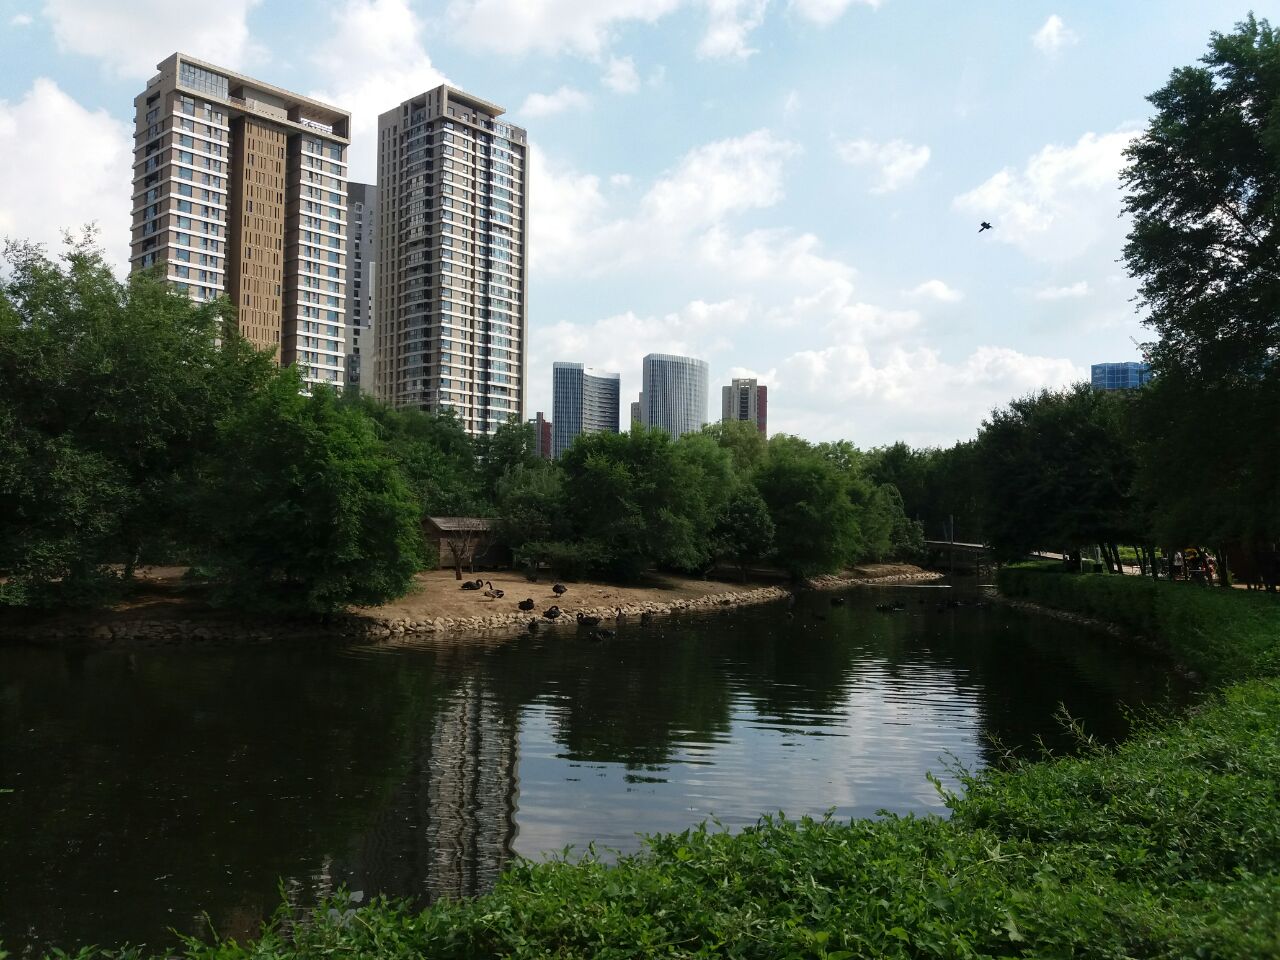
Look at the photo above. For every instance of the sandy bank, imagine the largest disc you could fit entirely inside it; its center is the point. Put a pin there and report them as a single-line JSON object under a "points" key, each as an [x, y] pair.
{"points": [[163, 613]]}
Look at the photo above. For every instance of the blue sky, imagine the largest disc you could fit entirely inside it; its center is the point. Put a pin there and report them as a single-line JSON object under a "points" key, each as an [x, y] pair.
{"points": [[786, 188]]}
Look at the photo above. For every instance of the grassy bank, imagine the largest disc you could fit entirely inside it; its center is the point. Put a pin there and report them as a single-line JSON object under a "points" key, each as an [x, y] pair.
{"points": [[1165, 846], [1224, 635]]}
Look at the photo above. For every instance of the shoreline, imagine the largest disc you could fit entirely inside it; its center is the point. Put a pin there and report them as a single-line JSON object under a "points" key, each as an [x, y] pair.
{"points": [[204, 627]]}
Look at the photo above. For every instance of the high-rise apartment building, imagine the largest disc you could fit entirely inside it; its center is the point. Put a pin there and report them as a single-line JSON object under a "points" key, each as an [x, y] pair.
{"points": [[449, 307], [240, 188], [744, 399], [362, 259], [673, 395], [583, 400], [1119, 376]]}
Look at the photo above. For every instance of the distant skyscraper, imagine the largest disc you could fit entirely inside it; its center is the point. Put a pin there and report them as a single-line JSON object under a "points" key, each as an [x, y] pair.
{"points": [[745, 400], [636, 419], [240, 188], [362, 256], [583, 401], [542, 436], [449, 307], [674, 393], [1120, 376]]}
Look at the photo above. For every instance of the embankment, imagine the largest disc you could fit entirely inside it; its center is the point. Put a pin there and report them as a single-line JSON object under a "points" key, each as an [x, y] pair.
{"points": [[436, 607], [1222, 635]]}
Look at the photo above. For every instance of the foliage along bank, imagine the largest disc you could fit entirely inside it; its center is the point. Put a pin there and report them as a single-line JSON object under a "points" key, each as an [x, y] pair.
{"points": [[1193, 458], [138, 427]]}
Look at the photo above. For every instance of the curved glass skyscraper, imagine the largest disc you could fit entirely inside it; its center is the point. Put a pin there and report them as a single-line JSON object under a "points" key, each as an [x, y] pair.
{"points": [[583, 400], [673, 393]]}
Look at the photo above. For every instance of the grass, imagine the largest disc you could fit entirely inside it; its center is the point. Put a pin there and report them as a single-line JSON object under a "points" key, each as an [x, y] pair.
{"points": [[1165, 846], [1224, 635]]}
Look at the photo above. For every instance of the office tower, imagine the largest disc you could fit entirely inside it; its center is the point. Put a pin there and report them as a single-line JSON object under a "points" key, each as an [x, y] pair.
{"points": [[674, 393], [745, 400], [449, 308], [362, 257], [1119, 376], [240, 188], [583, 400], [636, 419], [541, 436]]}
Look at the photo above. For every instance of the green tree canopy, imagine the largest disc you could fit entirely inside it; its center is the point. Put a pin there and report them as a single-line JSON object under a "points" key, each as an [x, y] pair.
{"points": [[306, 509]]}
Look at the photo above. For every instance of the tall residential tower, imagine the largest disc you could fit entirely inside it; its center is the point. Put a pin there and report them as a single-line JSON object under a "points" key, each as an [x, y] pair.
{"points": [[745, 400], [362, 257], [583, 400], [239, 187], [450, 298]]}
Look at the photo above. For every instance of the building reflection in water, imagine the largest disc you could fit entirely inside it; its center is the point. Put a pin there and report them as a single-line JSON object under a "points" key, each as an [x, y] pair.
{"points": [[448, 827]]}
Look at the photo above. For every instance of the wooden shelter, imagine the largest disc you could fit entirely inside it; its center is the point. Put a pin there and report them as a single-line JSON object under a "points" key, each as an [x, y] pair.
{"points": [[460, 541]]}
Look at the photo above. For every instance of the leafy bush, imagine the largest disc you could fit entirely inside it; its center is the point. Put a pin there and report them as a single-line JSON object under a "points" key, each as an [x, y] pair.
{"points": [[1224, 635]]}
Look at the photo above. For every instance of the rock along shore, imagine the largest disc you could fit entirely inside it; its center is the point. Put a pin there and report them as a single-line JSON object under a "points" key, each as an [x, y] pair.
{"points": [[143, 631]]}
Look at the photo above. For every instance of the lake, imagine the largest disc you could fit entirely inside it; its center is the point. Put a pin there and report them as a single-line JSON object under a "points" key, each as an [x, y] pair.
{"points": [[158, 789]]}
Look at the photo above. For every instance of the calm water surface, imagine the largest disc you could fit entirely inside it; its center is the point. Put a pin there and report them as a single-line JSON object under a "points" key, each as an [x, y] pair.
{"points": [[150, 787]]}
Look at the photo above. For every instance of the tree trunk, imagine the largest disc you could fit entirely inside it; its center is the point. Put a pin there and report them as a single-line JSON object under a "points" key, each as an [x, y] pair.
{"points": [[457, 562], [1105, 550], [1224, 573]]}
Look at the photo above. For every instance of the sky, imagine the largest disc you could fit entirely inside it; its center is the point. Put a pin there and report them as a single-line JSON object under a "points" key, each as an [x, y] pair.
{"points": [[788, 189]]}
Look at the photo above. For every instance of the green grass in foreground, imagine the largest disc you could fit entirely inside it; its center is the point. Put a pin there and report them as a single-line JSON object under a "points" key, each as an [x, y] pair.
{"points": [[1165, 846]]}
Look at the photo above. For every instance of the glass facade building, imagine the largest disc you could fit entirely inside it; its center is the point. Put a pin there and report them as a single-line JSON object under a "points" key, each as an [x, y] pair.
{"points": [[1119, 376], [673, 393], [583, 400]]}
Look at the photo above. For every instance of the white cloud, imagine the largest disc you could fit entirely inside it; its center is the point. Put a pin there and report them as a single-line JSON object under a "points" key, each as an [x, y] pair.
{"points": [[775, 258], [131, 38], [20, 20], [826, 12], [620, 180], [896, 162], [936, 290], [621, 75], [720, 178], [1074, 291], [566, 210], [868, 395], [1063, 202], [65, 166], [516, 27], [574, 230], [1053, 36], [729, 24], [558, 101], [379, 44]]}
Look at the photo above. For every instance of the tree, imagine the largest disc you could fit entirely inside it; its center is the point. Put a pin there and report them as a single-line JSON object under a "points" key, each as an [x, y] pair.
{"points": [[306, 510], [514, 444], [816, 527], [1203, 186], [1057, 471], [744, 531], [110, 393]]}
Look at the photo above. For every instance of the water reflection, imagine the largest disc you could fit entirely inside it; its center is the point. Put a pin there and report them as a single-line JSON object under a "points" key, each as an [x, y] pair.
{"points": [[153, 785]]}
